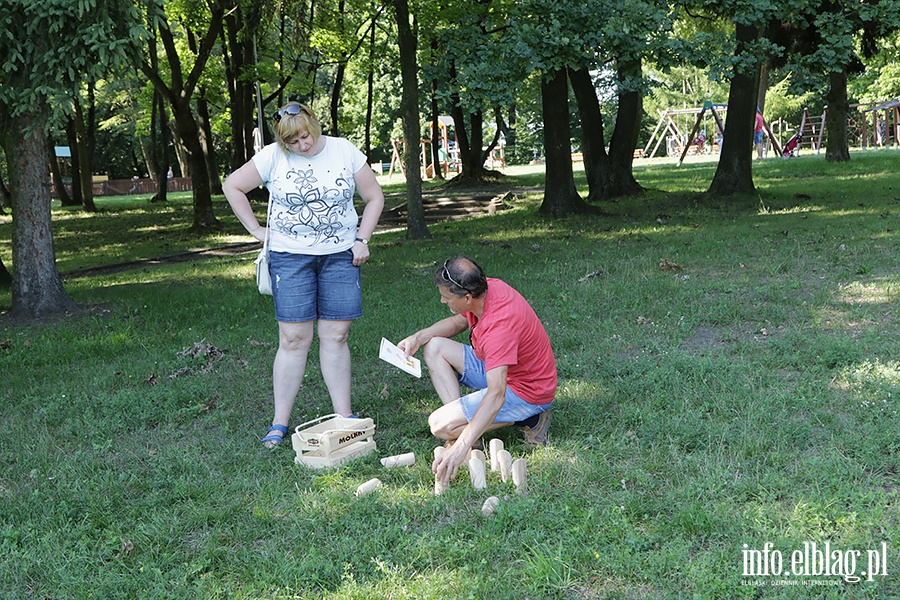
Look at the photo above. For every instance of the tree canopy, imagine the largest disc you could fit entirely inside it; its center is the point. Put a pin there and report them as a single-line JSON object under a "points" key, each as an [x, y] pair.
{"points": [[140, 86]]}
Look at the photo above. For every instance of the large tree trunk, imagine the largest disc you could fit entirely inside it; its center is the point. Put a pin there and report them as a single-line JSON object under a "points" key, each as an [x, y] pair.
{"points": [[84, 135], [37, 289], [734, 174], [560, 196], [837, 146], [204, 217], [409, 109], [208, 144], [596, 161], [620, 179]]}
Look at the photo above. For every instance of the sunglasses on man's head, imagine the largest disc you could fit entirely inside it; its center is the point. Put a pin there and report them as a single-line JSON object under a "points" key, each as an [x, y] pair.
{"points": [[290, 109], [449, 278]]}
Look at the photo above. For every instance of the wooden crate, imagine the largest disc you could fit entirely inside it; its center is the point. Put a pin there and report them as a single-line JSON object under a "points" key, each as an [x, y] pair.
{"points": [[332, 440]]}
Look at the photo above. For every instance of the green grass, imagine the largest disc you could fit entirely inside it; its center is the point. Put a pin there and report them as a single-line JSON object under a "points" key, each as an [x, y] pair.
{"points": [[729, 375]]}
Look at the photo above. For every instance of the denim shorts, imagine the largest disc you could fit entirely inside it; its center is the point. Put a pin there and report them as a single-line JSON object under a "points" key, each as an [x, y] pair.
{"points": [[514, 409], [310, 287], [757, 137]]}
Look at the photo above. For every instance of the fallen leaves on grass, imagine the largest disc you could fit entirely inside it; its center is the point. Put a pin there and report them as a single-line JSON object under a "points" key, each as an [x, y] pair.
{"points": [[667, 265], [202, 350], [199, 350]]}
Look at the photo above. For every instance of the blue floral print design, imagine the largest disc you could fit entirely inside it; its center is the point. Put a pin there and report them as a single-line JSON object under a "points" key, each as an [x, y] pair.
{"points": [[313, 209]]}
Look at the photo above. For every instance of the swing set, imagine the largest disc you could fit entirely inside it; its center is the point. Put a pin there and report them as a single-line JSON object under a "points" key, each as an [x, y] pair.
{"points": [[673, 128]]}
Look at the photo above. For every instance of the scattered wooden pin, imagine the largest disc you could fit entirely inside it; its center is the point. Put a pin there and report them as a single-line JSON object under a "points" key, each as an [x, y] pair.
{"points": [[496, 445], [475, 453], [399, 460], [476, 473], [368, 486], [439, 487], [490, 506], [519, 475], [505, 459]]}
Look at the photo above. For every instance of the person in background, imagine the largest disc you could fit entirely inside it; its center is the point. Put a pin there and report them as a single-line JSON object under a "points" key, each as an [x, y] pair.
{"points": [[317, 245], [509, 363], [758, 135]]}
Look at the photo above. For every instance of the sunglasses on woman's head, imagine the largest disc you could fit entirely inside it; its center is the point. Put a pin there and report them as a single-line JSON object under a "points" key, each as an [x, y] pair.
{"points": [[290, 109]]}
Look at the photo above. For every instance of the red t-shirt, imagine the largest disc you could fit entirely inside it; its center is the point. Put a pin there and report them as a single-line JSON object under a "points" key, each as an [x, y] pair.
{"points": [[510, 334]]}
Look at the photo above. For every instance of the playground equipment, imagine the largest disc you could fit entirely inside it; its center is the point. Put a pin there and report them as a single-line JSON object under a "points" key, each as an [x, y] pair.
{"points": [[812, 130], [447, 151], [885, 120], [678, 141]]}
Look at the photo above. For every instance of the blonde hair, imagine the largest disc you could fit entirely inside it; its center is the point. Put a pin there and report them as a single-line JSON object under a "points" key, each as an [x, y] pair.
{"points": [[291, 126]]}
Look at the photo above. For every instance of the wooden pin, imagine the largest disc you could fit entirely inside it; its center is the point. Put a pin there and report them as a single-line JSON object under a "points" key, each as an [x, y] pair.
{"points": [[476, 473], [495, 446], [368, 486], [479, 454], [439, 487], [400, 460], [519, 475], [505, 459], [490, 506]]}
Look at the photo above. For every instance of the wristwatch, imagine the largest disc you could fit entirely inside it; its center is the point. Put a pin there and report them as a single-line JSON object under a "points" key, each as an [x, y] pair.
{"points": [[364, 241]]}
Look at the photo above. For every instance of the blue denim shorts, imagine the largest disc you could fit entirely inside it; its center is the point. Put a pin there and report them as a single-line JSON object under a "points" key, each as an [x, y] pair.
{"points": [[757, 137], [514, 409], [310, 287]]}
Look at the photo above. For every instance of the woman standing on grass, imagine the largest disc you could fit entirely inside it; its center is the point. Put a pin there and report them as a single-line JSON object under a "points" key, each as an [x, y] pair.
{"points": [[315, 249]]}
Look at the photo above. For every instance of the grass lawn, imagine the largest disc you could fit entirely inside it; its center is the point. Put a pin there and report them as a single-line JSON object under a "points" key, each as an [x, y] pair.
{"points": [[726, 421]]}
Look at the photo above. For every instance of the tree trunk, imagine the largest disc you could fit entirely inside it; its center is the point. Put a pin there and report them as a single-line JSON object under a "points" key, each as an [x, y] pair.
{"points": [[204, 217], [75, 199], [179, 89], [370, 90], [37, 289], [5, 196], [58, 183], [208, 144], [336, 98], [734, 173], [837, 146], [238, 58], [84, 126], [468, 140], [438, 171], [763, 86], [159, 136], [560, 196], [596, 161], [5, 276], [409, 109], [620, 179]]}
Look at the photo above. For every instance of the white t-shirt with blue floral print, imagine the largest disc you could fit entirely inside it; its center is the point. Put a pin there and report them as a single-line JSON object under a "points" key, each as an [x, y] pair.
{"points": [[312, 197]]}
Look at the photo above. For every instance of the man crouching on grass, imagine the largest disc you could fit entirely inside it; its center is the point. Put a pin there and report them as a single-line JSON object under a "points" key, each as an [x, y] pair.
{"points": [[510, 363]]}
